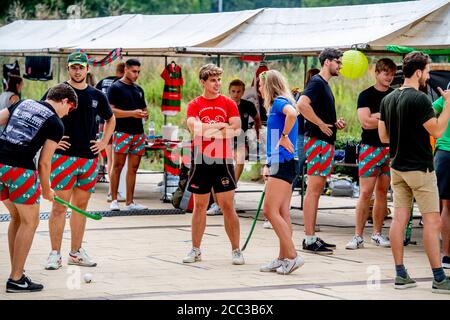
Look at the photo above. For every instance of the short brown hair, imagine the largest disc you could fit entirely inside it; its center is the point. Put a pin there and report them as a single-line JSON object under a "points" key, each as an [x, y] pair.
{"points": [[414, 61], [237, 83], [120, 68], [63, 91], [385, 64], [209, 70]]}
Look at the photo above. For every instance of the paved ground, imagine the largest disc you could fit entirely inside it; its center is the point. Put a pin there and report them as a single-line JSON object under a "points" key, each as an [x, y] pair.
{"points": [[139, 257]]}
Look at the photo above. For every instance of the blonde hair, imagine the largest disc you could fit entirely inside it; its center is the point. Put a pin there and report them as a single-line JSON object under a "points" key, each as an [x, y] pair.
{"points": [[275, 85], [209, 70]]}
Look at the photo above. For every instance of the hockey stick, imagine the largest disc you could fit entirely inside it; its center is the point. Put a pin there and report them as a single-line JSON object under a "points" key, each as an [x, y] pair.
{"points": [[255, 219], [78, 210]]}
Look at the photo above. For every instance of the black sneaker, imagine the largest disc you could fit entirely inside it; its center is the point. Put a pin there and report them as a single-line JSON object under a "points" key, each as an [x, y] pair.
{"points": [[446, 262], [316, 247], [326, 245], [23, 285]]}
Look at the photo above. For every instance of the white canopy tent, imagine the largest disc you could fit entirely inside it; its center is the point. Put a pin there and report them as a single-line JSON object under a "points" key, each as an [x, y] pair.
{"points": [[430, 32], [309, 30], [301, 31], [135, 34]]}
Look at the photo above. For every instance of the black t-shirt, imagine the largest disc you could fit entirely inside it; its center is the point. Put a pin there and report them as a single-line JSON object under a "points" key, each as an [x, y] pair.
{"points": [[404, 112], [104, 84], [246, 110], [127, 97], [262, 111], [80, 124], [371, 98], [30, 124], [322, 102]]}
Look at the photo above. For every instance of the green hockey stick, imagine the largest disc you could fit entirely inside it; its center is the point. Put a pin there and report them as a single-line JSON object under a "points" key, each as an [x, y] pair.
{"points": [[78, 210], [255, 219]]}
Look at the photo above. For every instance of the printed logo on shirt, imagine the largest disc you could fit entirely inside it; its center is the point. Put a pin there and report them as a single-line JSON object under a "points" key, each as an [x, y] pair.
{"points": [[94, 104], [222, 115], [25, 122]]}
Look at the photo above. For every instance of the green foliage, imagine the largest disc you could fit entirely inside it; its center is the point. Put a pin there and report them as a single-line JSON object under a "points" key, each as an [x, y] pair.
{"points": [[328, 3], [12, 10]]}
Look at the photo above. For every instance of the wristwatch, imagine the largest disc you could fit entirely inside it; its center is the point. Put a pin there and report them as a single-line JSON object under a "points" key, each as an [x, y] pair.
{"points": [[284, 135]]}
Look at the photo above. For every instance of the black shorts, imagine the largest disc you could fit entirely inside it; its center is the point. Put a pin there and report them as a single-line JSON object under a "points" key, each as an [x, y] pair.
{"points": [[286, 171], [203, 177], [442, 165]]}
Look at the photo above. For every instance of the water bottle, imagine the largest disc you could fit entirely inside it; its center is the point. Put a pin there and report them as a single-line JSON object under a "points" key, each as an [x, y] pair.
{"points": [[151, 133]]}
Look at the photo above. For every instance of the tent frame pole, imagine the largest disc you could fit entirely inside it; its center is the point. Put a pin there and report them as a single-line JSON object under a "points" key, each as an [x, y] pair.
{"points": [[59, 69], [305, 65]]}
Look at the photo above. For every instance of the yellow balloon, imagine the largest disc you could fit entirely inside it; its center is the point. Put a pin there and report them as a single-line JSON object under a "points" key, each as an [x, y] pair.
{"points": [[355, 64]]}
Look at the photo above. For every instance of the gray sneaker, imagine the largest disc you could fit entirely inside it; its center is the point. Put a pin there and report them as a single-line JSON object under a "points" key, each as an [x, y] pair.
{"points": [[272, 266], [290, 265], [441, 287], [81, 258], [237, 257], [404, 283], [356, 243], [193, 256]]}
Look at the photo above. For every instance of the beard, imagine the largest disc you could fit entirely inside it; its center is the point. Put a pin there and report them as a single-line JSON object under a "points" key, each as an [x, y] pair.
{"points": [[334, 72], [423, 83], [78, 81]]}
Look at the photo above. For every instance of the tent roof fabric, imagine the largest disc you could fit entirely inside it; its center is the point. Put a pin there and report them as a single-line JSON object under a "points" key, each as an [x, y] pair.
{"points": [[432, 32], [418, 24], [133, 33], [294, 30]]}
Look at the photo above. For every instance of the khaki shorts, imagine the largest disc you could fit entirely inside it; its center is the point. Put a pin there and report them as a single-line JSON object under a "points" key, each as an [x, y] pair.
{"points": [[420, 185]]}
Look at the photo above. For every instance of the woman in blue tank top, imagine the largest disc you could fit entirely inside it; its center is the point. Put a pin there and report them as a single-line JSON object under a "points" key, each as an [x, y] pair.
{"points": [[281, 168]]}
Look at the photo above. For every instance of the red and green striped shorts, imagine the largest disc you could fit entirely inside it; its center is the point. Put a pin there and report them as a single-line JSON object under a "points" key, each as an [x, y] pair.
{"points": [[19, 185], [125, 143], [74, 172], [320, 157], [373, 161]]}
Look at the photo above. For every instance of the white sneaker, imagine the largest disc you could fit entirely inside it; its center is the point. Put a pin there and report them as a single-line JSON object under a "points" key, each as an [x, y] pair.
{"points": [[356, 243], [54, 261], [238, 258], [290, 265], [272, 266], [380, 240], [81, 258], [134, 206], [193, 256], [267, 224], [214, 210], [114, 206]]}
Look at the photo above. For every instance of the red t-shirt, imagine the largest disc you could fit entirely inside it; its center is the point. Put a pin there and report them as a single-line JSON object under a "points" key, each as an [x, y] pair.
{"points": [[220, 109]]}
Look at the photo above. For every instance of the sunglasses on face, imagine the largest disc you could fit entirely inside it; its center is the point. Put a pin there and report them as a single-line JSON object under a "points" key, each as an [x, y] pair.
{"points": [[72, 106]]}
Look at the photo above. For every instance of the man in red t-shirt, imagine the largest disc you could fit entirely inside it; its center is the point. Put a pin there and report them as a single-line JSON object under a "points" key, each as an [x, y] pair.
{"points": [[214, 121]]}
